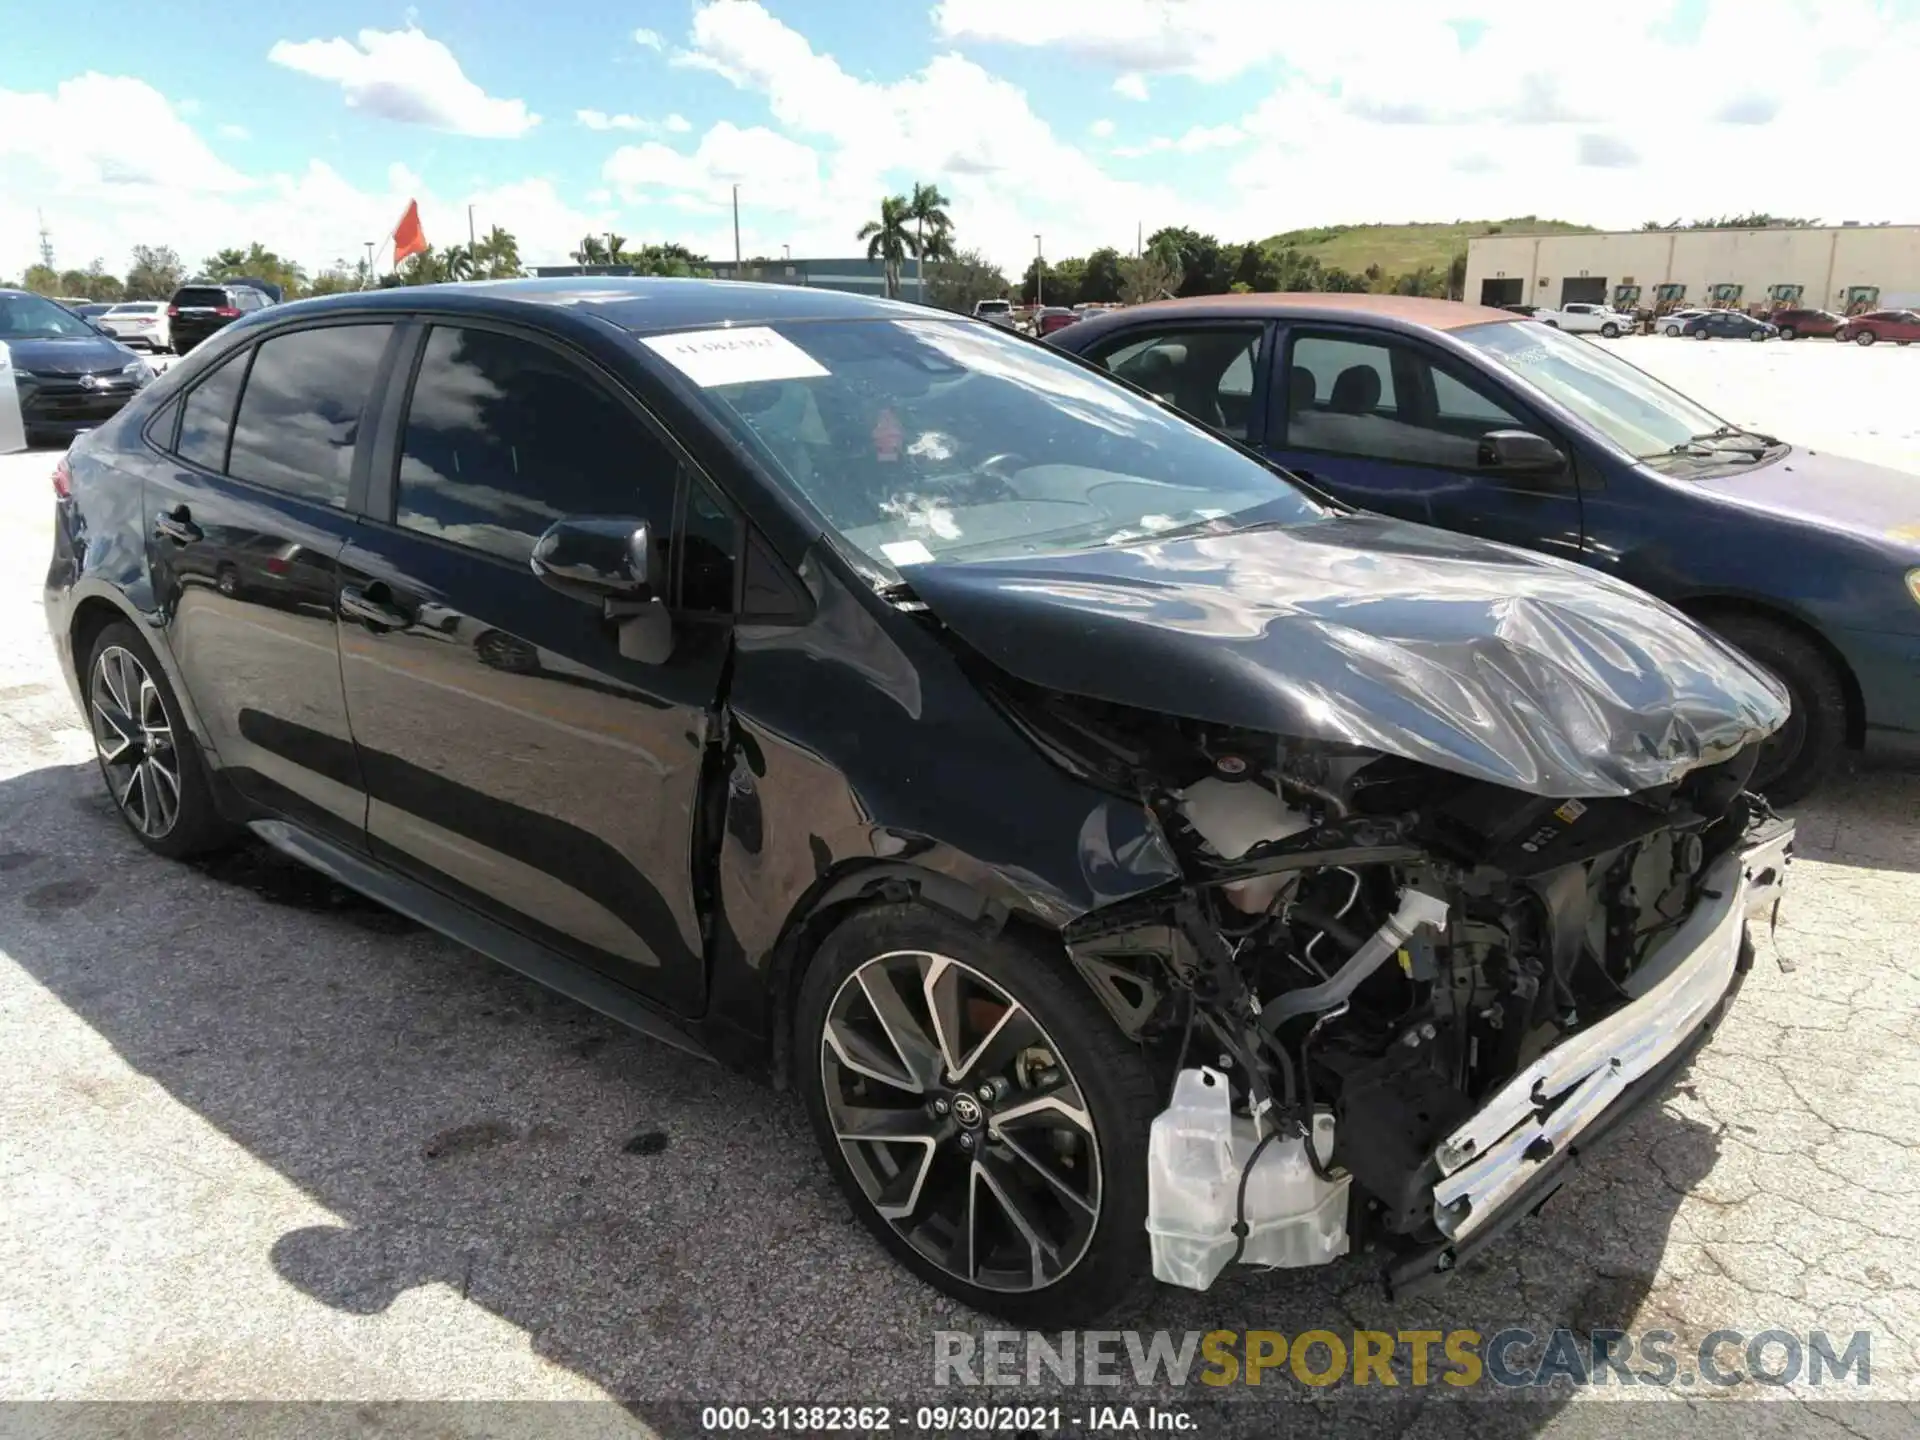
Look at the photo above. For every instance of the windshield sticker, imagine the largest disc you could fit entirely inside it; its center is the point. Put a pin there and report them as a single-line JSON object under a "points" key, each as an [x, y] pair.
{"points": [[734, 357], [906, 552]]}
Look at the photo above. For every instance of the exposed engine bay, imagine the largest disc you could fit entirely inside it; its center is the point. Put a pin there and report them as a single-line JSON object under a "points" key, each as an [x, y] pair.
{"points": [[1368, 951]]}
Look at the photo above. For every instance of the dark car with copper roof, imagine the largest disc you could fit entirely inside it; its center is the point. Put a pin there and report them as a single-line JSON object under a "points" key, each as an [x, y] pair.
{"points": [[1480, 421]]}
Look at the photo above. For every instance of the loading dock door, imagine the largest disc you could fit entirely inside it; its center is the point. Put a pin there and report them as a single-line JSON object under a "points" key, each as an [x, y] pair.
{"points": [[1500, 292], [1583, 289]]}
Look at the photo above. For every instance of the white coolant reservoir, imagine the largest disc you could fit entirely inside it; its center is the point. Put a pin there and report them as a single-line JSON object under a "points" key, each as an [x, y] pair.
{"points": [[1196, 1152]]}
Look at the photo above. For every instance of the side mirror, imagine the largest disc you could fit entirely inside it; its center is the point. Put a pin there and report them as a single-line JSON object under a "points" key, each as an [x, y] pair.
{"points": [[102, 330], [1520, 452], [598, 558]]}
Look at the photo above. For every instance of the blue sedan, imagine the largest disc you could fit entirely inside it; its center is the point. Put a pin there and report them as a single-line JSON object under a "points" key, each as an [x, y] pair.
{"points": [[1480, 421], [1728, 325]]}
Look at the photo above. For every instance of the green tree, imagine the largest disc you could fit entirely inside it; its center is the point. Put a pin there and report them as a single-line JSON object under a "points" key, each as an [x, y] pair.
{"points": [[1103, 280], [1150, 276], [1203, 267], [932, 228], [1256, 268], [101, 285], [41, 280], [73, 284], [1036, 286], [1339, 281], [1457, 276], [155, 274], [889, 240], [1066, 281], [456, 263], [593, 251], [961, 280], [336, 279], [669, 259], [256, 262], [498, 255], [1424, 281]]}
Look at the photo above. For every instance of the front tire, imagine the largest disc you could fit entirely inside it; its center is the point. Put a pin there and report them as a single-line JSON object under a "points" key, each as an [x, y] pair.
{"points": [[148, 758], [1700, 334], [1865, 337], [1787, 332], [1800, 754], [981, 1112], [1610, 330]]}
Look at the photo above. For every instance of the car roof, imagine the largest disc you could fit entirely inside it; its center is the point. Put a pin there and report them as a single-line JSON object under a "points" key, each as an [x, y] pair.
{"points": [[1405, 311], [638, 304]]}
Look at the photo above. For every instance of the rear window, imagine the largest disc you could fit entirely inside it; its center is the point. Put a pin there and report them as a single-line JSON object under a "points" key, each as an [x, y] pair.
{"points": [[993, 306], [207, 295], [143, 309]]}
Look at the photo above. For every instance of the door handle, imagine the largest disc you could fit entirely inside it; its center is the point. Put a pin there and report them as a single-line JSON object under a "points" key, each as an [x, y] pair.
{"points": [[371, 608], [177, 525]]}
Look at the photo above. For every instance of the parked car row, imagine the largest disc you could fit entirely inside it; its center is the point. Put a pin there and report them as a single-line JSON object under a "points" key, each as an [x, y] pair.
{"points": [[1141, 860]]}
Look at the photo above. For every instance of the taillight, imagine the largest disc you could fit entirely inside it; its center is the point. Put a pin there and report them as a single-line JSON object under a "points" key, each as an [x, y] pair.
{"points": [[62, 479], [172, 311], [226, 312]]}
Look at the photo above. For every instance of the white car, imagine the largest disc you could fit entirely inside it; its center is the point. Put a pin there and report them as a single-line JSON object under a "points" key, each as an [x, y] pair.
{"points": [[998, 312], [139, 322], [1582, 318], [1674, 322]]}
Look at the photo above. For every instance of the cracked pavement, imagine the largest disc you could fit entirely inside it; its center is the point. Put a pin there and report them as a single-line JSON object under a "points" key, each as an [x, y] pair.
{"points": [[261, 1140]]}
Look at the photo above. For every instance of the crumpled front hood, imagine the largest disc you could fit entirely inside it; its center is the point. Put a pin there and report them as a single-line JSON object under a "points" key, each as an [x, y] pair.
{"points": [[1466, 655]]}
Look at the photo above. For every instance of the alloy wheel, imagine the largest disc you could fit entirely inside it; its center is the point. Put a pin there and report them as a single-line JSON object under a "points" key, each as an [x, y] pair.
{"points": [[963, 1125], [134, 740]]}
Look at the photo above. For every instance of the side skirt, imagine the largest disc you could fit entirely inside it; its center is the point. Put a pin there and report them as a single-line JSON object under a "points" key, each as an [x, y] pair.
{"points": [[495, 941]]}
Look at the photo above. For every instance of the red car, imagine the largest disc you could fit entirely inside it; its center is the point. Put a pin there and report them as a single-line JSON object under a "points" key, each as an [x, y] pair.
{"points": [[1053, 318], [1794, 321], [1900, 326]]}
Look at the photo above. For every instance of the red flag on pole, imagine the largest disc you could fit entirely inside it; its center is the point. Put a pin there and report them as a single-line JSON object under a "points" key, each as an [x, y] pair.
{"points": [[408, 237]]}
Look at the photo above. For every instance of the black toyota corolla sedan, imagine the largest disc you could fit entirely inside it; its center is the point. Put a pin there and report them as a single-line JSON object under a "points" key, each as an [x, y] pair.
{"points": [[1139, 862]]}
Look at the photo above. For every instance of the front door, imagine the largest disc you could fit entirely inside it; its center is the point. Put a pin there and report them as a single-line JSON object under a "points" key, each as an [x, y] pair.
{"points": [[517, 754], [1388, 424], [247, 512]]}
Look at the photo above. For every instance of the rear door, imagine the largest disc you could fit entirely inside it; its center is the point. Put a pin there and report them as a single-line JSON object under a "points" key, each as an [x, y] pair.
{"points": [[1388, 423], [250, 494], [1214, 372], [522, 751]]}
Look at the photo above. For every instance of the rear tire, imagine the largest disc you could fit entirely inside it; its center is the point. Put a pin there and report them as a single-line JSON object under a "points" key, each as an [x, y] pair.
{"points": [[1865, 337], [148, 758], [1798, 756], [1786, 332], [1039, 1032], [1700, 334]]}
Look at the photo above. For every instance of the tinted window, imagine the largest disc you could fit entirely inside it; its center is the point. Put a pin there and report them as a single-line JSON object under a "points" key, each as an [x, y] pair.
{"points": [[1387, 401], [208, 415], [1205, 373], [504, 437], [200, 295], [300, 416]]}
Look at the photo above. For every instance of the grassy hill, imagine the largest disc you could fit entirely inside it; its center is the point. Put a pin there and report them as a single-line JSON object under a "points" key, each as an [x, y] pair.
{"points": [[1400, 249]]}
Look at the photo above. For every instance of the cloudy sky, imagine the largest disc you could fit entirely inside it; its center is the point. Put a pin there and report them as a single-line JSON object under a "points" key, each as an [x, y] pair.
{"points": [[309, 127]]}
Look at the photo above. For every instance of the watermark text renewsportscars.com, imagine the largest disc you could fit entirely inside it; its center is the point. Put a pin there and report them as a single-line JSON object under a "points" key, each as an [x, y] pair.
{"points": [[1385, 1359]]}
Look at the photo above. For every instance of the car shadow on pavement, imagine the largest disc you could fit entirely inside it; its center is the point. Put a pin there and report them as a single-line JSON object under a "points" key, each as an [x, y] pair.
{"points": [[660, 1227]]}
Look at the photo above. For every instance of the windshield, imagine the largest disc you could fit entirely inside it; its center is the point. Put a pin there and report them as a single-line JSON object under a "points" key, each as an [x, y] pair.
{"points": [[1637, 412], [28, 317], [940, 439]]}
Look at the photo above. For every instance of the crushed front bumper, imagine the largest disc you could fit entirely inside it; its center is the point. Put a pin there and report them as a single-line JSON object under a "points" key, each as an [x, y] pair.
{"points": [[1509, 1158]]}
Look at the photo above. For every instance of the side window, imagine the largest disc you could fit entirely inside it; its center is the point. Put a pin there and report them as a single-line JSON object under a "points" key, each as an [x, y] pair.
{"points": [[709, 545], [1382, 400], [208, 415], [504, 437], [299, 418], [1206, 374]]}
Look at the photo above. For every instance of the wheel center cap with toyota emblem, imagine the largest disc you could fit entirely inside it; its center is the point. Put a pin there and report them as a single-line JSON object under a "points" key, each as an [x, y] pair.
{"points": [[968, 1111]]}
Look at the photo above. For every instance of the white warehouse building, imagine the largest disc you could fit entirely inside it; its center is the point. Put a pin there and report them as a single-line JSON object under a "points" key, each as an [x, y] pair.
{"points": [[1845, 268]]}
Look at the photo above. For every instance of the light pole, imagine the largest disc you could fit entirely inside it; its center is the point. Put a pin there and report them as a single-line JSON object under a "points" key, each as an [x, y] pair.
{"points": [[367, 279], [1039, 273], [736, 232], [786, 252], [472, 259]]}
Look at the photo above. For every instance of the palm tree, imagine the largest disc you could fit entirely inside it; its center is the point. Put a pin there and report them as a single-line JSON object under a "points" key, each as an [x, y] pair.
{"points": [[592, 251], [456, 263], [499, 254], [932, 229], [889, 239]]}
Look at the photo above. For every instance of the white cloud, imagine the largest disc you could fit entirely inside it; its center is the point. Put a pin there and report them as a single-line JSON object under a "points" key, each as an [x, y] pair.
{"points": [[1131, 86], [650, 39], [678, 124], [407, 76], [1211, 38], [783, 174], [132, 171], [1194, 140], [1101, 129], [1006, 170], [235, 132], [601, 120]]}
